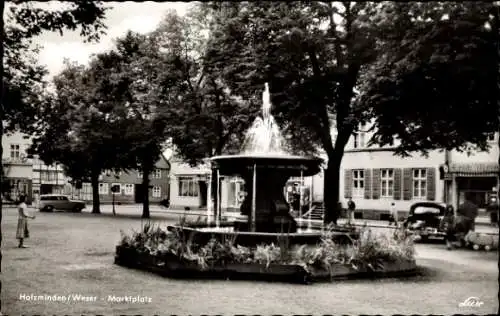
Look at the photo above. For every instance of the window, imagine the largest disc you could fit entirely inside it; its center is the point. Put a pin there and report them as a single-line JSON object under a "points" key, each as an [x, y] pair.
{"points": [[119, 191], [236, 192], [355, 139], [358, 183], [103, 188], [187, 186], [86, 192], [157, 174], [387, 182], [419, 183], [129, 189], [156, 191], [14, 151]]}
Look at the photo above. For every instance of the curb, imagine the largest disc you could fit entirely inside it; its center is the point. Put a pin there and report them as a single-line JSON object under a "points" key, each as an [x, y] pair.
{"points": [[177, 268]]}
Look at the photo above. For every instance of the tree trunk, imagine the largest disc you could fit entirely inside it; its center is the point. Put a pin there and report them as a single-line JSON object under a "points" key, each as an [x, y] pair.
{"points": [[2, 7], [94, 180], [331, 191], [146, 170]]}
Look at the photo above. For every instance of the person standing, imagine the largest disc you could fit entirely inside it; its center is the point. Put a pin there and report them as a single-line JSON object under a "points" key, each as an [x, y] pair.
{"points": [[469, 211], [393, 215], [22, 222], [351, 207], [448, 225]]}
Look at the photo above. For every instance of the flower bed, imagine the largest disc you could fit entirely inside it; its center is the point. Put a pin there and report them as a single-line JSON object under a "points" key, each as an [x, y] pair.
{"points": [[175, 254]]}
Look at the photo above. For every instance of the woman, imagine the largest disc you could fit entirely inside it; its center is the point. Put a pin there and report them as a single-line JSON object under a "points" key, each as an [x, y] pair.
{"points": [[448, 225], [22, 223]]}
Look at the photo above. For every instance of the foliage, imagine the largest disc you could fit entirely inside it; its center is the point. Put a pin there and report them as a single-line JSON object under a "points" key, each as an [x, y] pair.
{"points": [[333, 67], [205, 117], [369, 252], [445, 73], [23, 77]]}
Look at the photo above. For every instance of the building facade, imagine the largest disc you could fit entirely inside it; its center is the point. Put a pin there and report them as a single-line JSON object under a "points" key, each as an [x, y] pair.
{"points": [[17, 167], [129, 183], [374, 177], [188, 185], [26, 175]]}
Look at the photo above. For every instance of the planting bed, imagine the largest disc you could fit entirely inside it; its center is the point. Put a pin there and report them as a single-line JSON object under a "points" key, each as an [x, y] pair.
{"points": [[175, 254]]}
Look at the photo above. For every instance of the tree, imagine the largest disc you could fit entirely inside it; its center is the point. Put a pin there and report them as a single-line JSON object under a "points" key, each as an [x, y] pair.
{"points": [[205, 117], [141, 91], [450, 92], [20, 76], [320, 58], [81, 130]]}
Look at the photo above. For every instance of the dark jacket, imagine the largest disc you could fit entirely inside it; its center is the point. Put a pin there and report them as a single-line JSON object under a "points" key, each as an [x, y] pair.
{"points": [[351, 206], [468, 209]]}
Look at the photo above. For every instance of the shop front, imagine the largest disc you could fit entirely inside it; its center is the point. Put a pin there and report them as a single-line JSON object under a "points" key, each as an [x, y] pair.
{"points": [[473, 181]]}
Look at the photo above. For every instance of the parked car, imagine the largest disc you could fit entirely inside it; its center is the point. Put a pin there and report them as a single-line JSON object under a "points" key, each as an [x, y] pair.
{"points": [[51, 202], [165, 203], [424, 220]]}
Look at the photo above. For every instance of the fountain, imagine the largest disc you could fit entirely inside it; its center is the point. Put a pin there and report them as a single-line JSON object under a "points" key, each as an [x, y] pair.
{"points": [[265, 166]]}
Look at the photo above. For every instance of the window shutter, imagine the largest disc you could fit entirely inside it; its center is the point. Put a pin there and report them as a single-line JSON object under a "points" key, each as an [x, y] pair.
{"points": [[397, 184], [368, 184], [347, 183], [431, 184], [407, 183], [376, 184]]}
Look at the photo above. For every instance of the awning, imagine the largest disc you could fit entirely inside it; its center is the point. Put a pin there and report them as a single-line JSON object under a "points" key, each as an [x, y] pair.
{"points": [[474, 169]]}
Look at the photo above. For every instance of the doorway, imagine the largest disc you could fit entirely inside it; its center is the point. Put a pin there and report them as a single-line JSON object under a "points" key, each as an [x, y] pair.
{"points": [[138, 193], [203, 193]]}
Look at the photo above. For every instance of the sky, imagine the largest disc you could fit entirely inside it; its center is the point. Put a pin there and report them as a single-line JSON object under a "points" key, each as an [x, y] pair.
{"points": [[141, 17]]}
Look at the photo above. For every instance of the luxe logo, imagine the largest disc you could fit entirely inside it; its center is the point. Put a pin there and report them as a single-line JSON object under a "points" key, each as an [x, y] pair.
{"points": [[471, 302]]}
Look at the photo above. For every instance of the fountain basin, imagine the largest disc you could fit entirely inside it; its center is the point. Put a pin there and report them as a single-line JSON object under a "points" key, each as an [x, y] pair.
{"points": [[289, 165]]}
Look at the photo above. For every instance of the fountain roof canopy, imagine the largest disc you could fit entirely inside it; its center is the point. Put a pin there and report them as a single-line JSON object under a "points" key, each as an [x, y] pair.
{"points": [[286, 164]]}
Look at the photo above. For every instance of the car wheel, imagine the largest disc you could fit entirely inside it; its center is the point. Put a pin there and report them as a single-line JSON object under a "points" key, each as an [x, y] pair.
{"points": [[77, 209], [48, 208]]}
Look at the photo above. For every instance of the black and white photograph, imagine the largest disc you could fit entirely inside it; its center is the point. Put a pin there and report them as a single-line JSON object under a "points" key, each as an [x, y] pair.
{"points": [[249, 158]]}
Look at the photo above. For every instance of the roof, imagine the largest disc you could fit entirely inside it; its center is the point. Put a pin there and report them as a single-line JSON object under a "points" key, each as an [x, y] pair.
{"points": [[474, 169], [162, 163]]}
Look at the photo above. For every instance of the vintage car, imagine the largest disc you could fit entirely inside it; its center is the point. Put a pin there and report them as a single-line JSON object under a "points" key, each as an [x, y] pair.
{"points": [[424, 220], [51, 202]]}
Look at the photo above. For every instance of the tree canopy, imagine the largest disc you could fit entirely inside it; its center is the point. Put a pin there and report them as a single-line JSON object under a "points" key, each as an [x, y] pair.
{"points": [[334, 66]]}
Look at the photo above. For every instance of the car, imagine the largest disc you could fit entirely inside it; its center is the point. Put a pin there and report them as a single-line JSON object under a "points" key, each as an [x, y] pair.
{"points": [[51, 202], [424, 220]]}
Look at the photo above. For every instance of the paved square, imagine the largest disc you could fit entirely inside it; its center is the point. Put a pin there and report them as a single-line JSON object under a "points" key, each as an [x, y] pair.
{"points": [[69, 270]]}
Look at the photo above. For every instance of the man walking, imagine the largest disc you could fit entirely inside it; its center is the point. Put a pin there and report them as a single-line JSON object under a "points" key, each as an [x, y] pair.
{"points": [[469, 211]]}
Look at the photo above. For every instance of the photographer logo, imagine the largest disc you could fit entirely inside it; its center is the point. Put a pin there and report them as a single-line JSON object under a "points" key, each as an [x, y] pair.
{"points": [[472, 301]]}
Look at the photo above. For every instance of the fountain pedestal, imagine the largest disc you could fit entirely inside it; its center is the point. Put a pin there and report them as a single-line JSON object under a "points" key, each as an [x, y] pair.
{"points": [[272, 213]]}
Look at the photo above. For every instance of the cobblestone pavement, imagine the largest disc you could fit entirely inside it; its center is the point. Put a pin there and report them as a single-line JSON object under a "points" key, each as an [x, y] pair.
{"points": [[71, 257]]}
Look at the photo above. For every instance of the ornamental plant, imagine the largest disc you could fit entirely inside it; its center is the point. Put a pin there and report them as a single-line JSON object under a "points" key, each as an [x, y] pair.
{"points": [[369, 252]]}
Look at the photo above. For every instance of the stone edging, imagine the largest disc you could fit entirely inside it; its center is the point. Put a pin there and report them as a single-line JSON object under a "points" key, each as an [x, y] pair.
{"points": [[172, 266]]}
